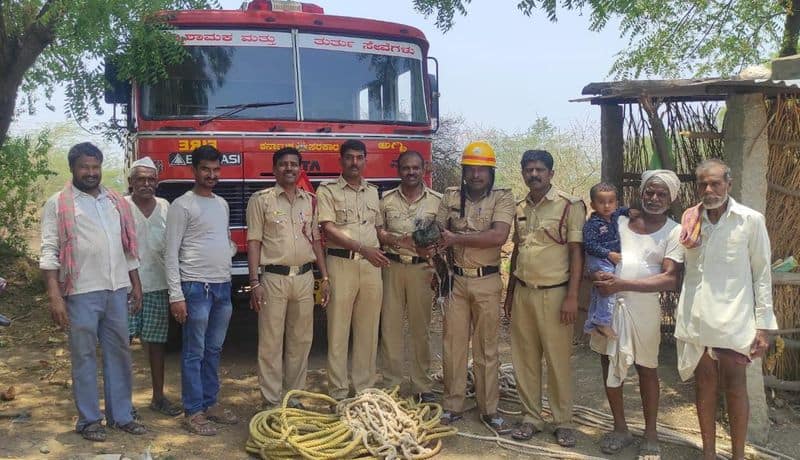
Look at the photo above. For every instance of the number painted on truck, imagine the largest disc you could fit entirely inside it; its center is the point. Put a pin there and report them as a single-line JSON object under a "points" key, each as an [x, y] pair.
{"points": [[187, 145]]}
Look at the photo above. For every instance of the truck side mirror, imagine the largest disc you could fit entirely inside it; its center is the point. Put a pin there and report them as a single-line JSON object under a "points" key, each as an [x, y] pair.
{"points": [[116, 91], [434, 84]]}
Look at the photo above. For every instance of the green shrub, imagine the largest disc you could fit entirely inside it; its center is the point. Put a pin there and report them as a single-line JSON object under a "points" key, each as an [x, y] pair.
{"points": [[23, 164]]}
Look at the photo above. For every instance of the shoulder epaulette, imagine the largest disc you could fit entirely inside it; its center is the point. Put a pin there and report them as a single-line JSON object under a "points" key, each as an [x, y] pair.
{"points": [[264, 191], [390, 191], [370, 184], [435, 193], [568, 197]]}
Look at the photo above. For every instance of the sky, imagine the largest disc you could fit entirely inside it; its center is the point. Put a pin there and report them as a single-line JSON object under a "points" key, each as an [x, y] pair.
{"points": [[497, 67]]}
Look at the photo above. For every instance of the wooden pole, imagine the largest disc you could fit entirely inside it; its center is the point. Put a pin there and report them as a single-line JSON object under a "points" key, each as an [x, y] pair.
{"points": [[612, 140]]}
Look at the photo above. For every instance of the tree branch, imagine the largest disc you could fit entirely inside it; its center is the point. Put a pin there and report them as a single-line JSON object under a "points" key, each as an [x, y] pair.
{"points": [[791, 31]]}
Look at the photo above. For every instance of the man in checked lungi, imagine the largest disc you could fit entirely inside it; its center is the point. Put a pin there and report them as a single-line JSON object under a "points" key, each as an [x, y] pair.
{"points": [[151, 323]]}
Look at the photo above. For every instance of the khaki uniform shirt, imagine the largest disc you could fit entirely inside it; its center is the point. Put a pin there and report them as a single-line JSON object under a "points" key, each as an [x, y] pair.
{"points": [[285, 229], [399, 214], [541, 237], [497, 206], [354, 210]]}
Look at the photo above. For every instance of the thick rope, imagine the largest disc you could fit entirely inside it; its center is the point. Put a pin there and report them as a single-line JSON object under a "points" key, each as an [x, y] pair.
{"points": [[375, 423], [585, 416]]}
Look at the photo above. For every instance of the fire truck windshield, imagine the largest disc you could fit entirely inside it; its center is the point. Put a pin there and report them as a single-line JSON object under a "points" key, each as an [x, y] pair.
{"points": [[340, 78], [214, 76]]}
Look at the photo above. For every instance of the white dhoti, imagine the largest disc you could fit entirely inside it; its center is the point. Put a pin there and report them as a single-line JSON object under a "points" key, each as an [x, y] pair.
{"points": [[637, 316], [638, 329]]}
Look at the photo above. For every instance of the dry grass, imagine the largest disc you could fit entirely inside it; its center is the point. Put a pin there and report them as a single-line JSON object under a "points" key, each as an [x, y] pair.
{"points": [[783, 217]]}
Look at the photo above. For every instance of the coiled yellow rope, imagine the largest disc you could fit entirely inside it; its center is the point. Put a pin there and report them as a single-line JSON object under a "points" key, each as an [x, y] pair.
{"points": [[375, 423]]}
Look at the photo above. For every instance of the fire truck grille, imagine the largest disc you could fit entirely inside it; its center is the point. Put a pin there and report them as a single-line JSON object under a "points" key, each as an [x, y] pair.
{"points": [[232, 192]]}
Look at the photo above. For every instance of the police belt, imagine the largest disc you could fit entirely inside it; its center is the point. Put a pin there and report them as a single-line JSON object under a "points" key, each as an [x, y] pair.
{"points": [[344, 253], [287, 270], [405, 259], [476, 272], [532, 286]]}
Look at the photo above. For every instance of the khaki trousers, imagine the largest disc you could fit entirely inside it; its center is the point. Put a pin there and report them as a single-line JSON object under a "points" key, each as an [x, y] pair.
{"points": [[476, 302], [355, 302], [285, 333], [536, 333], [406, 287]]}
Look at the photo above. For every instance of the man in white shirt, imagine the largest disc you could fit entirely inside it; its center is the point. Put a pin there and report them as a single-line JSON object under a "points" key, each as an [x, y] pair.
{"points": [[198, 261], [88, 261], [151, 323], [725, 308]]}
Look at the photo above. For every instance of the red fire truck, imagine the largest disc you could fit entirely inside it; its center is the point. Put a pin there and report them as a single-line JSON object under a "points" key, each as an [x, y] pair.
{"points": [[275, 74]]}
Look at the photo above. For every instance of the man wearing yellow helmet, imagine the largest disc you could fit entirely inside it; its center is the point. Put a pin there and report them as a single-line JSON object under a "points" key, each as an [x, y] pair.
{"points": [[476, 219]]}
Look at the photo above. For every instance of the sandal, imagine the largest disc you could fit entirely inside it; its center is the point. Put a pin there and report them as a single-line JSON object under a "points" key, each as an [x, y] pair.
{"points": [[166, 407], [133, 427], [222, 416], [449, 417], [613, 442], [497, 424], [525, 431], [294, 403], [199, 424], [94, 432], [649, 450], [565, 437]]}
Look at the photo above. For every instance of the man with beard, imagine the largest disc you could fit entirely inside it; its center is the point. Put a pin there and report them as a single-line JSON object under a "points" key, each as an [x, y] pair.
{"points": [[546, 271], [407, 280], [152, 322], [89, 260], [725, 308], [651, 257], [198, 260], [476, 219], [283, 242], [349, 212]]}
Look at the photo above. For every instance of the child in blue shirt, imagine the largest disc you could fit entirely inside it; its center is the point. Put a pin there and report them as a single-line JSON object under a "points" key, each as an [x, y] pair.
{"points": [[603, 253]]}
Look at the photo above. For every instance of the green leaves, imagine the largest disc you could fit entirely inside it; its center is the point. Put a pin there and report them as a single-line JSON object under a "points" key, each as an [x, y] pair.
{"points": [[24, 161], [69, 40], [667, 38]]}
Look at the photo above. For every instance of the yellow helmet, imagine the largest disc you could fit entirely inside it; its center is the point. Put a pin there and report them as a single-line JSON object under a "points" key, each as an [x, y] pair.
{"points": [[478, 153]]}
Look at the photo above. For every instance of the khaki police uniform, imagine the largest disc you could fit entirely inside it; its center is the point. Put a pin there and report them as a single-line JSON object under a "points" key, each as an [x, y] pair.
{"points": [[475, 301], [541, 233], [286, 230], [356, 288], [406, 286]]}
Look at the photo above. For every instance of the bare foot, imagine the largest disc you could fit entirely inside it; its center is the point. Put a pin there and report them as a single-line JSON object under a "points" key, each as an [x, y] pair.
{"points": [[606, 331]]}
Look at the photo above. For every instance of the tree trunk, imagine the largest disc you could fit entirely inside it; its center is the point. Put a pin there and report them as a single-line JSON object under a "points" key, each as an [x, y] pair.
{"points": [[791, 31], [18, 53]]}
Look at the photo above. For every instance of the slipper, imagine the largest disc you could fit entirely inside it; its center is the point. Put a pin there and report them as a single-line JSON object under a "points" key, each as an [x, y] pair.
{"points": [[613, 442], [649, 450], [525, 431], [449, 417], [565, 437], [94, 432], [497, 423], [222, 416], [132, 427], [199, 424], [166, 407]]}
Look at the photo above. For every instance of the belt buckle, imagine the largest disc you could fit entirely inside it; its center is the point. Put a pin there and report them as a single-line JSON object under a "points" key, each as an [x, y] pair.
{"points": [[357, 255], [471, 272], [293, 271], [406, 259]]}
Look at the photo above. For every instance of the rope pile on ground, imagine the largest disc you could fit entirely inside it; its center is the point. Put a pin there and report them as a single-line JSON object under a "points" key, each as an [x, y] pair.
{"points": [[585, 416], [375, 423]]}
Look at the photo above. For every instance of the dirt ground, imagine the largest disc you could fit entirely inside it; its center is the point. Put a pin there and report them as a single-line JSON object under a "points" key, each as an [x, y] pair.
{"points": [[34, 359]]}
